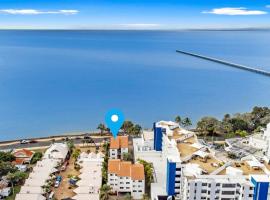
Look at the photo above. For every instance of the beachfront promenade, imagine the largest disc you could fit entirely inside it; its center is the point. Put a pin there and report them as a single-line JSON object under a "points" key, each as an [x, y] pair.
{"points": [[230, 64]]}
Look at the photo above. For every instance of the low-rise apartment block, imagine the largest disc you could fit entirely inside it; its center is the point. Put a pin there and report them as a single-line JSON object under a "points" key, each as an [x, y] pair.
{"points": [[125, 177], [118, 146]]}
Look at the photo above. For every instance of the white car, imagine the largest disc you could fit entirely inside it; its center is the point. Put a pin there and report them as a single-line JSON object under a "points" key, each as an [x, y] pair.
{"points": [[25, 142], [57, 184]]}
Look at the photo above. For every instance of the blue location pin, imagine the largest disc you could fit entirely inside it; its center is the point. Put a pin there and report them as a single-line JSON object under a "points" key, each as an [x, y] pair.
{"points": [[114, 120]]}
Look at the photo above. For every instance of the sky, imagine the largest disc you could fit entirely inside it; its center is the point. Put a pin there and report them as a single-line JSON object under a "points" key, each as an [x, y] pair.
{"points": [[134, 14]]}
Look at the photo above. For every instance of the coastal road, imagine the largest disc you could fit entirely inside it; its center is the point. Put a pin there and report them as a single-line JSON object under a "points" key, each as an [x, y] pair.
{"points": [[77, 140]]}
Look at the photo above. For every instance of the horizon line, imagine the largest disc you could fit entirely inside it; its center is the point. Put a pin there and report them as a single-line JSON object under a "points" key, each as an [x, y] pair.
{"points": [[146, 29]]}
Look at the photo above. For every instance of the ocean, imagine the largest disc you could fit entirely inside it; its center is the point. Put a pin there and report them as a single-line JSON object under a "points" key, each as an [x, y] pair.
{"points": [[52, 82]]}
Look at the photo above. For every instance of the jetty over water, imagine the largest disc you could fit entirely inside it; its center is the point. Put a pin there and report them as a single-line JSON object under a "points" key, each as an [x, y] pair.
{"points": [[243, 67]]}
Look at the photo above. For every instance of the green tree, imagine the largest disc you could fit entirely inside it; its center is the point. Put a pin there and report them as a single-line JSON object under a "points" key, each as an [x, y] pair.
{"points": [[226, 117], [127, 157], [16, 178], [6, 157], [76, 153], [241, 133], [178, 119], [36, 157], [104, 192], [238, 124], [186, 122], [128, 197], [208, 126], [148, 171], [102, 128], [137, 129], [70, 145], [6, 167], [127, 127]]}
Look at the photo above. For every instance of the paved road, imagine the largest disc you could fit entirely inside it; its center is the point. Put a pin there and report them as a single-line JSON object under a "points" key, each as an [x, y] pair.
{"points": [[45, 143]]}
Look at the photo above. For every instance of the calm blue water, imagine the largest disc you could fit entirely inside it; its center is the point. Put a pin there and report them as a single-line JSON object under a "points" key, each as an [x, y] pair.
{"points": [[61, 81]]}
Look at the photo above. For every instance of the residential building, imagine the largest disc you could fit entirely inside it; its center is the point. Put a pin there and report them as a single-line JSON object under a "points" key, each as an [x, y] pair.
{"points": [[90, 178], [188, 169], [42, 171], [125, 177], [57, 151], [23, 156], [118, 146]]}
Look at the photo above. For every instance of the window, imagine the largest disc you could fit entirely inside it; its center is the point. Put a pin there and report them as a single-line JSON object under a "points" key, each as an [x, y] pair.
{"points": [[228, 185], [228, 192]]}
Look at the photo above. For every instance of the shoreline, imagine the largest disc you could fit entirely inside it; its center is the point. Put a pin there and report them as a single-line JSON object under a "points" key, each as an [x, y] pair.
{"points": [[71, 135]]}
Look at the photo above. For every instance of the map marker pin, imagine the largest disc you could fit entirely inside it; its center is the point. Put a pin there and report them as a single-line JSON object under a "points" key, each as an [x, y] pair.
{"points": [[114, 119]]}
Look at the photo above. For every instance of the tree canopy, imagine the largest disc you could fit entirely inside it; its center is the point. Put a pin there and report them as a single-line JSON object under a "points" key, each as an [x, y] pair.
{"points": [[235, 125], [6, 157]]}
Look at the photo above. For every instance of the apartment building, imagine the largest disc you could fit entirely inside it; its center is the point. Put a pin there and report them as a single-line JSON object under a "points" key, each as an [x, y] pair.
{"points": [[193, 171], [118, 146], [125, 177]]}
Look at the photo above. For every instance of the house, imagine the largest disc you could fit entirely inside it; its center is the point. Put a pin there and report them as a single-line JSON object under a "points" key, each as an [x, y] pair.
{"points": [[125, 177], [57, 151], [118, 146], [23, 156]]}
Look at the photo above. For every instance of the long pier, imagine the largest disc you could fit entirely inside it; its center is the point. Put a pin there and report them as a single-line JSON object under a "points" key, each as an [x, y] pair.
{"points": [[243, 67]]}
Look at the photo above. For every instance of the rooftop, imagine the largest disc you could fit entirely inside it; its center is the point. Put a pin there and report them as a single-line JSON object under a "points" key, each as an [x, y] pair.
{"points": [[185, 148], [207, 164], [23, 153], [126, 169], [119, 142], [247, 169]]}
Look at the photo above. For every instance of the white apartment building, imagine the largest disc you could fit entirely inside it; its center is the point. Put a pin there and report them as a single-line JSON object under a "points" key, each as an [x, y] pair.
{"points": [[125, 177], [193, 171], [91, 177], [118, 146]]}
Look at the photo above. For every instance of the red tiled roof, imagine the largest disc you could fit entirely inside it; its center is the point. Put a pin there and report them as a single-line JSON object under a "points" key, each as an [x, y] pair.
{"points": [[119, 142], [24, 152], [18, 161], [126, 169]]}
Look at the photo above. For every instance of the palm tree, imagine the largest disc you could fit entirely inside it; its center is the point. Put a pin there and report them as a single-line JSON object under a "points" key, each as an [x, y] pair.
{"points": [[127, 127], [104, 192], [187, 122], [102, 128], [178, 119]]}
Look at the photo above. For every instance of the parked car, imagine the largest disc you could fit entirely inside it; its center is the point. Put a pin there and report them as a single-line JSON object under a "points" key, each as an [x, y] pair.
{"points": [[59, 178], [57, 184], [51, 196], [25, 142]]}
